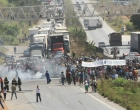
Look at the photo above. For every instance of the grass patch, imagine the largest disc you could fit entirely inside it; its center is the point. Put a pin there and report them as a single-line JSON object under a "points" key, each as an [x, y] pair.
{"points": [[118, 22], [122, 92], [3, 50]]}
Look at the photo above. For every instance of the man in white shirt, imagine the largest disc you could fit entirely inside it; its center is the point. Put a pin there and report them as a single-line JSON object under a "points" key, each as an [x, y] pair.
{"points": [[38, 94]]}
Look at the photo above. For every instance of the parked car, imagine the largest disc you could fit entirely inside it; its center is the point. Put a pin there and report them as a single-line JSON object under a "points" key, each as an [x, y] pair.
{"points": [[101, 44], [26, 53]]}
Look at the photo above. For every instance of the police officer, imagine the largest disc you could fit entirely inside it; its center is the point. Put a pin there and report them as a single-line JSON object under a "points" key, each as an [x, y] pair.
{"points": [[14, 82], [6, 82], [19, 84]]}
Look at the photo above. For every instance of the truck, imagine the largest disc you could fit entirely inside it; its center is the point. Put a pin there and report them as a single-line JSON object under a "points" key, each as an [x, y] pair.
{"points": [[61, 28], [44, 31], [59, 42], [93, 23], [115, 39], [135, 42], [66, 41], [49, 23], [37, 49], [31, 33], [41, 38]]}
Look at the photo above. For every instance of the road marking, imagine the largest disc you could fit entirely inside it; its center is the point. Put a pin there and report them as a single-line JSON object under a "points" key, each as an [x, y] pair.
{"points": [[66, 102], [80, 102], [98, 100]]}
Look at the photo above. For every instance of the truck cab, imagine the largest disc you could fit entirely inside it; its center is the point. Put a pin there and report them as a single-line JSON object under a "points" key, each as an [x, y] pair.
{"points": [[66, 41], [37, 49]]}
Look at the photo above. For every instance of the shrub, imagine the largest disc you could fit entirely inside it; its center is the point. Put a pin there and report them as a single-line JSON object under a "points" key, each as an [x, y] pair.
{"points": [[129, 26], [120, 82]]}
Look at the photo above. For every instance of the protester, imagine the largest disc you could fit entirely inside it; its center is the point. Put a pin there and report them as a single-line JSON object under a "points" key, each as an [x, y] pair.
{"points": [[1, 99], [5, 92], [1, 81], [38, 94], [62, 78], [86, 86], [13, 88]]}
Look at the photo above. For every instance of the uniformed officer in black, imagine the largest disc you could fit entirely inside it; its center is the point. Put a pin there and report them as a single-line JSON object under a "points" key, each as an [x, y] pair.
{"points": [[6, 83], [19, 84], [14, 82]]}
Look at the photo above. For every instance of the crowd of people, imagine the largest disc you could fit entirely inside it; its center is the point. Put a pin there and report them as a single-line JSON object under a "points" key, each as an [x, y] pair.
{"points": [[5, 88], [75, 73]]}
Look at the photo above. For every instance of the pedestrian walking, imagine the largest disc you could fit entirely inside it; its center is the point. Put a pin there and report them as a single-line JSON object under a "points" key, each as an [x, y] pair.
{"points": [[6, 83], [38, 94], [14, 82], [5, 92], [94, 85], [73, 77], [48, 77], [13, 88], [68, 75], [19, 83], [1, 81], [86, 86], [62, 77], [1, 99]]}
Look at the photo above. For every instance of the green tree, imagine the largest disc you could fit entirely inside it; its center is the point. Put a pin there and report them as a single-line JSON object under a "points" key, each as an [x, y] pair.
{"points": [[90, 47], [135, 19], [78, 34]]}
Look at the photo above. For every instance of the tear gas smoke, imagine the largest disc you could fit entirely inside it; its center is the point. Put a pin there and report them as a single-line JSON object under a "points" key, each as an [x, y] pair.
{"points": [[53, 69]]}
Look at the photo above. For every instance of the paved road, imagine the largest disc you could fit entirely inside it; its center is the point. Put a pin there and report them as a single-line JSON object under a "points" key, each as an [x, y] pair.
{"points": [[101, 34], [19, 53], [57, 97]]}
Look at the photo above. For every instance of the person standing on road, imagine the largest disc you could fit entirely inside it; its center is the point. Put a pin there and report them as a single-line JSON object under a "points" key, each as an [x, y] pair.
{"points": [[47, 77], [86, 86], [14, 82], [19, 84], [73, 77], [38, 94], [6, 82], [1, 99], [15, 49], [68, 75], [62, 77], [13, 88], [5, 92], [1, 81], [94, 85]]}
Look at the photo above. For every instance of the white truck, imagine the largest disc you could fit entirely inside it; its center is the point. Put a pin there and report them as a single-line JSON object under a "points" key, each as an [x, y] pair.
{"points": [[93, 23], [44, 31], [41, 38], [61, 28], [31, 33]]}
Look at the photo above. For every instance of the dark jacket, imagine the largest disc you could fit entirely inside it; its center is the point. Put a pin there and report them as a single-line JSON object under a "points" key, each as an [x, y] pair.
{"points": [[19, 81], [6, 82], [47, 76], [14, 82]]}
